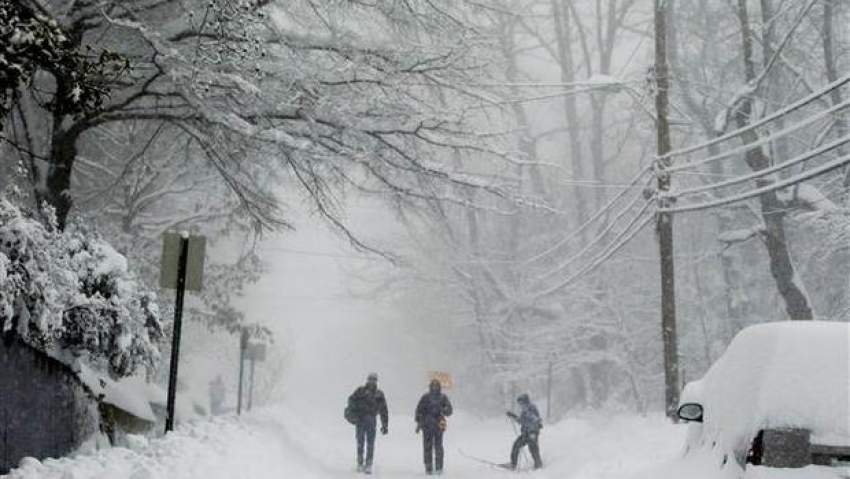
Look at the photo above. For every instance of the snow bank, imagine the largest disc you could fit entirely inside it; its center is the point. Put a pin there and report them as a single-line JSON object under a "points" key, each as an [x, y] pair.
{"points": [[188, 406], [704, 464], [128, 394], [224, 448], [707, 463], [138, 397], [809, 472]]}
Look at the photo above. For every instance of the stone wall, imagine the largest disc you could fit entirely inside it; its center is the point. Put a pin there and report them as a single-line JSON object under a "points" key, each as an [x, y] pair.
{"points": [[44, 409]]}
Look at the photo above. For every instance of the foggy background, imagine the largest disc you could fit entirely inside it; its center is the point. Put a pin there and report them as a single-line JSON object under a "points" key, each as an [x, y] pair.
{"points": [[501, 153]]}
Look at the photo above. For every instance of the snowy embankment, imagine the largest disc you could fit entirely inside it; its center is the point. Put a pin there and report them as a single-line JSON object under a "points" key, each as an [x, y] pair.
{"points": [[218, 449], [282, 443]]}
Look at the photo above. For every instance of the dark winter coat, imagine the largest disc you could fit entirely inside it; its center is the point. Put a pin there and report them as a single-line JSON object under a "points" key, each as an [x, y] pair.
{"points": [[529, 419], [367, 403], [431, 408]]}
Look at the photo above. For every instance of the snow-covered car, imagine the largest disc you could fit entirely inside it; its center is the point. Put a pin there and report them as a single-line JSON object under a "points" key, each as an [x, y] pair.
{"points": [[776, 404]]}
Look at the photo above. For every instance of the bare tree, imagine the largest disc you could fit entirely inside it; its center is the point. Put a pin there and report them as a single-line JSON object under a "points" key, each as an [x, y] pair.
{"points": [[773, 211], [332, 96]]}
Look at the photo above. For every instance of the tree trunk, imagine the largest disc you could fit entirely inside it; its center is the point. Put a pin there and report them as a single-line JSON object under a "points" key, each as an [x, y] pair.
{"points": [[63, 152], [65, 131], [566, 64], [829, 60], [735, 309], [773, 214], [781, 147]]}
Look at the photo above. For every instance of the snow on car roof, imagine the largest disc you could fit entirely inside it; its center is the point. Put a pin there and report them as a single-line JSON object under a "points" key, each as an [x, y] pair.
{"points": [[783, 374]]}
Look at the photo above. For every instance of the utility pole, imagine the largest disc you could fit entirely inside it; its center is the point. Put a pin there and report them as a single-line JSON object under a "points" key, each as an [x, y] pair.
{"points": [[251, 388], [549, 390], [665, 220]]}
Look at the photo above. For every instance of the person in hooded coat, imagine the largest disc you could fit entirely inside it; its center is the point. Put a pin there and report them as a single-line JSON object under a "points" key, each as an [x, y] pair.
{"points": [[431, 414], [529, 427]]}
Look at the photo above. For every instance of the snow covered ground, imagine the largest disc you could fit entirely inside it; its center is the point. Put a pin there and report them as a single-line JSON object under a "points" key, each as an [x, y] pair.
{"points": [[334, 343], [281, 443]]}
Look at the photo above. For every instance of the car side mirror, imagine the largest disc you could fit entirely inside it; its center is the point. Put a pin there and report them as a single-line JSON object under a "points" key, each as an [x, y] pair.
{"points": [[690, 412]]}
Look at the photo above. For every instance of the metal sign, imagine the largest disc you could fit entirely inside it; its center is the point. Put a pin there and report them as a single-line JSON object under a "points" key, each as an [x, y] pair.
{"points": [[256, 352], [444, 378], [170, 263]]}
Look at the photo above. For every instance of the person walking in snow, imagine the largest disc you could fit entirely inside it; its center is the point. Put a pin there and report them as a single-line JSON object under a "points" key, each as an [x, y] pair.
{"points": [[431, 414], [529, 425], [364, 405]]}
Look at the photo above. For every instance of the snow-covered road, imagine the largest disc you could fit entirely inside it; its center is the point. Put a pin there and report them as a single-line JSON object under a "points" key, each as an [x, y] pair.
{"points": [[281, 443]]}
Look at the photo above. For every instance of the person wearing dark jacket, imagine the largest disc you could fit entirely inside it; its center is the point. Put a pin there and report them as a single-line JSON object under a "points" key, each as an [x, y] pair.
{"points": [[364, 405], [431, 414], [529, 426]]}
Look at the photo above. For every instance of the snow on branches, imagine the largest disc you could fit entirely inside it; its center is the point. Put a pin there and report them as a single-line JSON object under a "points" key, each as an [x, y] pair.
{"points": [[33, 41], [344, 95], [71, 295]]}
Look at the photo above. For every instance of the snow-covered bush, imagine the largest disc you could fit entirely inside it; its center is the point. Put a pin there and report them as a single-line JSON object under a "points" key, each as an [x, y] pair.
{"points": [[71, 294]]}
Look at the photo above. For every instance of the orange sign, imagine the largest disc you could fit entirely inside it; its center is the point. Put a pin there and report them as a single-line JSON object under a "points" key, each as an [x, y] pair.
{"points": [[444, 378]]}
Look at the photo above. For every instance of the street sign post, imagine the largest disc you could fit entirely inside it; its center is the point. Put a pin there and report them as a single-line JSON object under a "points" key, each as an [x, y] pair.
{"points": [[181, 268], [256, 352]]}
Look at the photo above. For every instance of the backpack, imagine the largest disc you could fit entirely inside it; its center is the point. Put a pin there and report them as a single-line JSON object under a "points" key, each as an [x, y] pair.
{"points": [[351, 411], [533, 422], [349, 415]]}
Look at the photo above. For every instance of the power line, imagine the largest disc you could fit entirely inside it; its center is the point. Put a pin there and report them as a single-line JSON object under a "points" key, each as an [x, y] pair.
{"points": [[825, 168], [575, 91], [320, 253], [596, 184], [764, 172], [779, 134], [598, 83], [602, 257], [599, 237], [608, 206], [777, 114], [830, 197]]}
